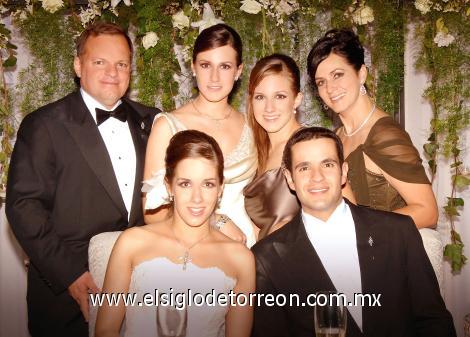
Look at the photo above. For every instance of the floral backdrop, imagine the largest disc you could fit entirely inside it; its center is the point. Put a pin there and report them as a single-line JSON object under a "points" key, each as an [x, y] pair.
{"points": [[164, 32]]}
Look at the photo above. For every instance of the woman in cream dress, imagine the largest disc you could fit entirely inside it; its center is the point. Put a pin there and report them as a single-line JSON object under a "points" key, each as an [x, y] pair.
{"points": [[217, 65]]}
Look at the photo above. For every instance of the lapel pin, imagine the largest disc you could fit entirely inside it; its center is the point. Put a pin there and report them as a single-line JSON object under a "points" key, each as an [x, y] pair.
{"points": [[371, 241], [142, 125]]}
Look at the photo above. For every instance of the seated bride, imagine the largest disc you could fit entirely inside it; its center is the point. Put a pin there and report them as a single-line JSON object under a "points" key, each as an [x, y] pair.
{"points": [[180, 254]]}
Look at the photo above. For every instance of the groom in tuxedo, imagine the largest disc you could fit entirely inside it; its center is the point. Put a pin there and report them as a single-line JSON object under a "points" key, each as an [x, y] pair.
{"points": [[76, 171], [333, 245]]}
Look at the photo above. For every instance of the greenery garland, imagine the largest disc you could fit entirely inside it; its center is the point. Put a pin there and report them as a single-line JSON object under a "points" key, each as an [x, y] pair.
{"points": [[445, 36], [388, 54], [50, 75], [156, 65], [165, 32], [7, 125]]}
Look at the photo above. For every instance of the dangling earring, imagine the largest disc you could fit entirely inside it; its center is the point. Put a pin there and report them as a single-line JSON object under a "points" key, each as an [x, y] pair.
{"points": [[218, 202], [171, 198], [325, 107], [363, 90]]}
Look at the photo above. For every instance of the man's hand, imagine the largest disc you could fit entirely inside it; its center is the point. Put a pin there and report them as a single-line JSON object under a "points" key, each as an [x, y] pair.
{"points": [[80, 290], [233, 232]]}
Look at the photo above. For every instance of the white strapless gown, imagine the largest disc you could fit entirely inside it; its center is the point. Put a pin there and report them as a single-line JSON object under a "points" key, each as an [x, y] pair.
{"points": [[170, 278]]}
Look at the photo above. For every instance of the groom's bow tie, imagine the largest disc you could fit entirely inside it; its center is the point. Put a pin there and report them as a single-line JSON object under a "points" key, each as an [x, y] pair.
{"points": [[120, 113]]}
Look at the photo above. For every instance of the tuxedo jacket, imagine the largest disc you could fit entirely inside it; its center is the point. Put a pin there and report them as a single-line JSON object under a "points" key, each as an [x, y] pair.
{"points": [[393, 264], [61, 191]]}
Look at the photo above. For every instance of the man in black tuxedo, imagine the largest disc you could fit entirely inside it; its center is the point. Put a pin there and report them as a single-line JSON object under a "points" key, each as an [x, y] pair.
{"points": [[333, 245], [76, 171]]}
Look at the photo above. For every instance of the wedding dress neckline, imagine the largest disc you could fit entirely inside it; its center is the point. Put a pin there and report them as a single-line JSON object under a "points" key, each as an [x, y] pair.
{"points": [[189, 266], [164, 279]]}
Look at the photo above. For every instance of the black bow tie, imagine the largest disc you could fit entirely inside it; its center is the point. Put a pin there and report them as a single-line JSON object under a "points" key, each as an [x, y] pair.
{"points": [[120, 113]]}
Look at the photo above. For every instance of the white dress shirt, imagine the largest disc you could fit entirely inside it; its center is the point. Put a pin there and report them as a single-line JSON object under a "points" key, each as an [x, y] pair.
{"points": [[335, 244], [118, 140]]}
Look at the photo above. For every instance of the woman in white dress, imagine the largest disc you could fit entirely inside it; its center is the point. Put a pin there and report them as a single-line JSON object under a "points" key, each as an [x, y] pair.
{"points": [[181, 253], [217, 65]]}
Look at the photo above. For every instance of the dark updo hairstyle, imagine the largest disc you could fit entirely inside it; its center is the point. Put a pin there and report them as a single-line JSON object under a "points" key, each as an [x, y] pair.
{"points": [[218, 36], [275, 64], [192, 144], [343, 42]]}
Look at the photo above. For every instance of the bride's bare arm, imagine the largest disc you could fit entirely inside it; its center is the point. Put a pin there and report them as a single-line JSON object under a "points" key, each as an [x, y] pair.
{"points": [[239, 319], [117, 279], [154, 161], [226, 226]]}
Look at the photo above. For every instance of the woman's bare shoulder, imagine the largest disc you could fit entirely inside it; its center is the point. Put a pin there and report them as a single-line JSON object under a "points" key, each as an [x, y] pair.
{"points": [[182, 110], [144, 234], [161, 124], [235, 250]]}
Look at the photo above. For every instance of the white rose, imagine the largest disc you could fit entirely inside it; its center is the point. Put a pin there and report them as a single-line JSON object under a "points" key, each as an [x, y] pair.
{"points": [[208, 19], [180, 20], [251, 6], [209, 23], [150, 40], [363, 15], [443, 39], [52, 6], [423, 6]]}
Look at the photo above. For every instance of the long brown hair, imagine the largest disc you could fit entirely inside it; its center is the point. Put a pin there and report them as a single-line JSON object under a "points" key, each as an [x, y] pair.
{"points": [[275, 64]]}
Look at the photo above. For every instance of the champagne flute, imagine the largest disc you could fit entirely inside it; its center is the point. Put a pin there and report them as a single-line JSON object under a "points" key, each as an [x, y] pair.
{"points": [[330, 319], [171, 321]]}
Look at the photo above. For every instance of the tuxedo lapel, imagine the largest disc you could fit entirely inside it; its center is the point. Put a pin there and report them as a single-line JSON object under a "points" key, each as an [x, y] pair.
{"points": [[137, 129], [86, 135], [301, 259], [372, 250]]}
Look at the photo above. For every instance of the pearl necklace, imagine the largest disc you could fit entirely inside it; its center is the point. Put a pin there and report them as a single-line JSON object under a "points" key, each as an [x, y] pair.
{"points": [[186, 258], [360, 126]]}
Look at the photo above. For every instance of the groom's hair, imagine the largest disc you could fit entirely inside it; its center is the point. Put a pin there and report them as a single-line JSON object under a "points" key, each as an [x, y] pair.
{"points": [[305, 134], [101, 28]]}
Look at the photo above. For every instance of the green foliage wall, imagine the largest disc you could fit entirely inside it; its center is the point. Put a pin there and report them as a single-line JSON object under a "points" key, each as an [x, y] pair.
{"points": [[163, 45]]}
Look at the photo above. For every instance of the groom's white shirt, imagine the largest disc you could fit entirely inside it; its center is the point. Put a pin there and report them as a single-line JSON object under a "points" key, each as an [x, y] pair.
{"points": [[334, 241]]}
